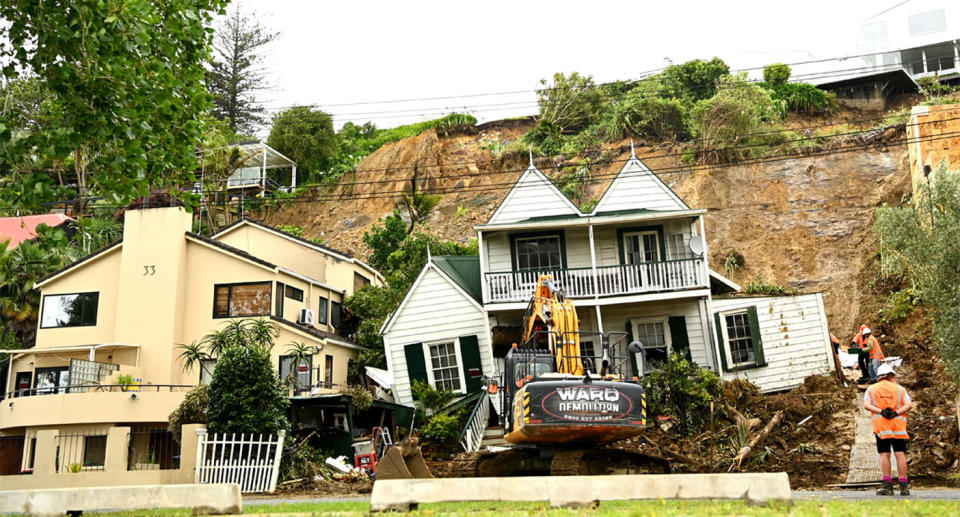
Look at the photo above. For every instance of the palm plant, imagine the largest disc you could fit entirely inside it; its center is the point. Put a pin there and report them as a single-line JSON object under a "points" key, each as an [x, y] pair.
{"points": [[193, 355], [300, 353], [243, 333], [20, 269], [259, 333]]}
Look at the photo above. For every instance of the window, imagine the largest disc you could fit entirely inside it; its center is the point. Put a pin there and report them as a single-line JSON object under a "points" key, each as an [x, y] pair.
{"points": [[231, 300], [278, 302], [328, 370], [739, 338], [359, 281], [69, 310], [298, 375], [294, 294], [923, 23], [322, 311], [654, 336], [94, 451], [52, 380], [589, 357], [677, 247], [22, 384], [641, 247], [443, 364], [206, 370], [336, 314], [538, 253]]}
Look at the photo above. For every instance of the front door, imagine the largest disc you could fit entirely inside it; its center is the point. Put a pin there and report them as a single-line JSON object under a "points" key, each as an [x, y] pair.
{"points": [[22, 384], [642, 250]]}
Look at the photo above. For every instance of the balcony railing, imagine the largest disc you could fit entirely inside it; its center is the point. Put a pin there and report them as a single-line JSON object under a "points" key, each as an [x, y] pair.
{"points": [[621, 279], [97, 388]]}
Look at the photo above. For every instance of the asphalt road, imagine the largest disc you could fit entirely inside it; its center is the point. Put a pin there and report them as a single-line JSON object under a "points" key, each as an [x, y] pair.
{"points": [[847, 495]]}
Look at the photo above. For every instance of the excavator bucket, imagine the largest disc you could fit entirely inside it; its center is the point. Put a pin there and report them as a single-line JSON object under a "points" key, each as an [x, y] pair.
{"points": [[403, 461]]}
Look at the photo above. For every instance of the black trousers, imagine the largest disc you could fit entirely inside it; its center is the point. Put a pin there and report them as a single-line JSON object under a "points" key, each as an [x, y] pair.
{"points": [[862, 361]]}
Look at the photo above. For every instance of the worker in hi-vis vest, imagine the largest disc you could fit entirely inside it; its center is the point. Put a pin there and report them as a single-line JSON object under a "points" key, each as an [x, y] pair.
{"points": [[888, 403], [871, 348]]}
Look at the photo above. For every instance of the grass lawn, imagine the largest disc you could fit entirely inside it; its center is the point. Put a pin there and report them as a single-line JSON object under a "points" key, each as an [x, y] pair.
{"points": [[891, 507]]}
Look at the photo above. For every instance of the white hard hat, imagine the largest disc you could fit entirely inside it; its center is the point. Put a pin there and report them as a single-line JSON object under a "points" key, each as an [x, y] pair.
{"points": [[866, 330], [885, 369]]}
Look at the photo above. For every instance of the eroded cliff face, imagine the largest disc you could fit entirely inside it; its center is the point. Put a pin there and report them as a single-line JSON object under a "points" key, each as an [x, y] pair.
{"points": [[803, 223]]}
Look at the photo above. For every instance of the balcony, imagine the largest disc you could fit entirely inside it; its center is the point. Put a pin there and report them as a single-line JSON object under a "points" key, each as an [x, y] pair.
{"points": [[616, 280]]}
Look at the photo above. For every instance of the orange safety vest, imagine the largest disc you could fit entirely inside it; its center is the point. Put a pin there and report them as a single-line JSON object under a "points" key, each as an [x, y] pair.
{"points": [[876, 352], [886, 394], [858, 339]]}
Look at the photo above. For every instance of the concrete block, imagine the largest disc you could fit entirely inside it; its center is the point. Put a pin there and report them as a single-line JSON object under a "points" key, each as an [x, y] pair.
{"points": [[581, 491], [216, 499]]}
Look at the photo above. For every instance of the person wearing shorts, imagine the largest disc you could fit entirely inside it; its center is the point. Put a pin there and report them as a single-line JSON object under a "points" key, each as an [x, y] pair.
{"points": [[888, 403]]}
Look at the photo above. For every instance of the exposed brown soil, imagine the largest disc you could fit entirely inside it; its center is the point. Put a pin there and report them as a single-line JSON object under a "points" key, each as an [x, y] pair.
{"points": [[325, 488]]}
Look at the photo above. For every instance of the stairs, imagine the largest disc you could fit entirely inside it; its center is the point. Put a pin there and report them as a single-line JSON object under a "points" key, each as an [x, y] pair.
{"points": [[493, 437]]}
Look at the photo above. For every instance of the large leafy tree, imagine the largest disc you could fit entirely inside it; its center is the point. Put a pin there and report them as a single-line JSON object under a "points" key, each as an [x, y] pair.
{"points": [[237, 75], [128, 79], [307, 137], [570, 103], [694, 80]]}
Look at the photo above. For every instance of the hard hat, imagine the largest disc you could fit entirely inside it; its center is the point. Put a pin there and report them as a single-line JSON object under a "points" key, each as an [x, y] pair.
{"points": [[866, 330], [885, 369]]}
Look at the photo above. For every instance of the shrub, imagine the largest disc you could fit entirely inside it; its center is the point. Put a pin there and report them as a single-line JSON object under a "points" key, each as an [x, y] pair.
{"points": [[641, 114], [442, 428], [732, 261], [931, 85], [246, 396], [897, 306], [571, 103], [776, 74], [431, 399], [682, 390], [192, 410], [804, 98], [361, 397], [731, 118], [759, 286], [694, 80]]}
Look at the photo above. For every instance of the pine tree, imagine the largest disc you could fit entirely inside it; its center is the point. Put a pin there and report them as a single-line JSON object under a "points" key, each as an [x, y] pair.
{"points": [[237, 76]]}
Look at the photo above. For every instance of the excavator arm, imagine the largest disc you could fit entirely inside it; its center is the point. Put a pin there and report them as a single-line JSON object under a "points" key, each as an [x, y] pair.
{"points": [[551, 320]]}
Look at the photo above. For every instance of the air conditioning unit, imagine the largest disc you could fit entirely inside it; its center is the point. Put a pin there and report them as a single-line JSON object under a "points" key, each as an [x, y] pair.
{"points": [[306, 317]]}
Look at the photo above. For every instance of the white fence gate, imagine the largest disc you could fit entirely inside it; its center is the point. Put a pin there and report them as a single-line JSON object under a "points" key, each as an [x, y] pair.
{"points": [[251, 461]]}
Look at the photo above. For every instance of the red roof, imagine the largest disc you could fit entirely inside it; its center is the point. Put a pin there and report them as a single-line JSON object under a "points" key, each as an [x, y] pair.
{"points": [[19, 229]]}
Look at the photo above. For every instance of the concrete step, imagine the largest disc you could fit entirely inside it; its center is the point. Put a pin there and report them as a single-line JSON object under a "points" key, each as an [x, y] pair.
{"points": [[493, 432], [495, 442]]}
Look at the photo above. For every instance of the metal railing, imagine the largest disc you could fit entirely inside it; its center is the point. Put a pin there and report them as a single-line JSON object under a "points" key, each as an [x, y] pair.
{"points": [[152, 448], [620, 279], [94, 388], [472, 436], [81, 451]]}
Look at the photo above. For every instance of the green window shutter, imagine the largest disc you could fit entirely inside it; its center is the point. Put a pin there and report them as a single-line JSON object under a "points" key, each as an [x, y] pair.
{"points": [[720, 342], [678, 333], [755, 336], [470, 353], [416, 367], [632, 356]]}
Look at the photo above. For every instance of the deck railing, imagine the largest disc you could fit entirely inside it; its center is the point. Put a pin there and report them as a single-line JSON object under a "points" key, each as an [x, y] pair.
{"points": [[620, 279]]}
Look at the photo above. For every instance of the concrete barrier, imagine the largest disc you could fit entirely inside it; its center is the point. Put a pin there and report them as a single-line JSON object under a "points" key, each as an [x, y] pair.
{"points": [[203, 499], [405, 494]]}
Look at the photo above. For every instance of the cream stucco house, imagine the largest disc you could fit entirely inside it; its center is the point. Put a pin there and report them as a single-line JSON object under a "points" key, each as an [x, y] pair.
{"points": [[121, 313]]}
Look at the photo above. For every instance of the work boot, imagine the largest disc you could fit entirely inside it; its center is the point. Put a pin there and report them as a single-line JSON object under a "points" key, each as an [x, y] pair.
{"points": [[904, 489], [886, 489]]}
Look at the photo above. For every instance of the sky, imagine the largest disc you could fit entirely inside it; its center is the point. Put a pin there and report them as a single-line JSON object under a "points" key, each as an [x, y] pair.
{"points": [[349, 57]]}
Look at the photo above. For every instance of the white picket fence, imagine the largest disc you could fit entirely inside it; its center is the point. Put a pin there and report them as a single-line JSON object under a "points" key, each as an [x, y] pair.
{"points": [[252, 461]]}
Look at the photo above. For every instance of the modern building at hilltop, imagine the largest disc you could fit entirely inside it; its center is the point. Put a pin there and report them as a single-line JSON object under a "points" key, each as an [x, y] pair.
{"points": [[921, 36], [121, 314], [636, 265]]}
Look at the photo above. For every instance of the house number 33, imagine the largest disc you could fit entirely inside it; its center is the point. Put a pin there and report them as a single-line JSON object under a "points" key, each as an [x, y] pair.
{"points": [[149, 270]]}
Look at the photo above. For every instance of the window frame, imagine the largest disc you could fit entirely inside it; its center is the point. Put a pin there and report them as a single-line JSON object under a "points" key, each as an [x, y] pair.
{"points": [[86, 448], [622, 234], [230, 296], [328, 369], [667, 337], [561, 242], [339, 315], [309, 373], [428, 359], [297, 293], [58, 387], [43, 308], [756, 339], [212, 360], [323, 308]]}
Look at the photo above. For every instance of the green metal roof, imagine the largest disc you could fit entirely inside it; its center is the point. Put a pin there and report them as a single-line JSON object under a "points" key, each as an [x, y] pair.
{"points": [[575, 217], [464, 270]]}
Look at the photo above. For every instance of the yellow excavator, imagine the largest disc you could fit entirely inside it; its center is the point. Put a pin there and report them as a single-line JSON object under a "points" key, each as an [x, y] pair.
{"points": [[561, 402]]}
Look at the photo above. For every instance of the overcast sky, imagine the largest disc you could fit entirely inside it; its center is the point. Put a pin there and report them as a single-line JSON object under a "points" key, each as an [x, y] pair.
{"points": [[341, 52]]}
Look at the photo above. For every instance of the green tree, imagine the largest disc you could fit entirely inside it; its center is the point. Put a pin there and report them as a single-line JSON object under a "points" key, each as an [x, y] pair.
{"points": [[246, 395], [20, 269], [383, 238], [418, 203], [571, 103], [725, 122], [776, 74], [237, 73], [694, 80], [128, 78], [920, 243], [305, 135]]}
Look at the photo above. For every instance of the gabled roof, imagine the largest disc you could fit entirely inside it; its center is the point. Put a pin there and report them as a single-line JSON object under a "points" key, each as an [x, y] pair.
{"points": [[231, 250], [23, 228], [315, 332], [342, 255], [85, 260], [464, 271], [636, 186], [533, 191]]}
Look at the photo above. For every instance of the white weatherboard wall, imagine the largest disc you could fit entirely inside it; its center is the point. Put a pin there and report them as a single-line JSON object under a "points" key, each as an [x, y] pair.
{"points": [[637, 187], [795, 335], [434, 310], [615, 318], [532, 196]]}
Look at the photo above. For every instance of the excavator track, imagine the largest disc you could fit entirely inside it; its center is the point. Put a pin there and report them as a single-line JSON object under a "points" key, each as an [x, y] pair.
{"points": [[563, 462]]}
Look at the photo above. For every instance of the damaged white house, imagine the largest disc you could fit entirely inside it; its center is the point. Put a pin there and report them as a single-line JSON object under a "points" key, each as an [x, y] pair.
{"points": [[637, 265]]}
